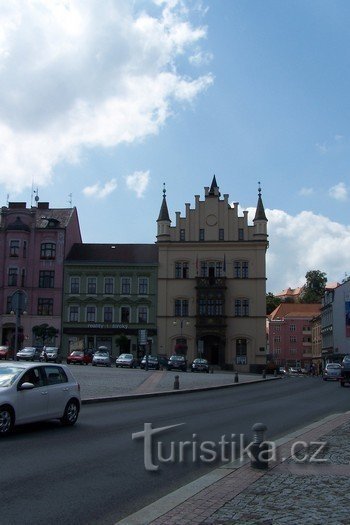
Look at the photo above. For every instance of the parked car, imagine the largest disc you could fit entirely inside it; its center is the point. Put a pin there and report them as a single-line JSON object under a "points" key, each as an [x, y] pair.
{"points": [[200, 365], [177, 362], [101, 358], [126, 360], [332, 371], [153, 362], [29, 353], [33, 392], [79, 357], [4, 352], [345, 371], [52, 354]]}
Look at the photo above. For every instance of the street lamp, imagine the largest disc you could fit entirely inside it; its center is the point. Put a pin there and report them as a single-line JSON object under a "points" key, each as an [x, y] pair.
{"points": [[18, 305]]}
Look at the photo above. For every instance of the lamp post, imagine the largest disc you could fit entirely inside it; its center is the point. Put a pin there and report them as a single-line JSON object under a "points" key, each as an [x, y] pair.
{"points": [[18, 305]]}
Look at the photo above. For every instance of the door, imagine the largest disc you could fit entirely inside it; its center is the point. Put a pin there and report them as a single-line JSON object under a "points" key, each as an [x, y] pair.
{"points": [[32, 405], [58, 390]]}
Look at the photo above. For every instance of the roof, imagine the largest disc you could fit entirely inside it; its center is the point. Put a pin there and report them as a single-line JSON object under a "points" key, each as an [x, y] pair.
{"points": [[114, 253], [290, 292], [18, 217], [294, 310]]}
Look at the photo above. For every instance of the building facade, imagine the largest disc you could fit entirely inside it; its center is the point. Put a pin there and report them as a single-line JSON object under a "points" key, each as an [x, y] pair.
{"points": [[290, 334], [33, 245], [110, 295], [212, 282], [335, 322]]}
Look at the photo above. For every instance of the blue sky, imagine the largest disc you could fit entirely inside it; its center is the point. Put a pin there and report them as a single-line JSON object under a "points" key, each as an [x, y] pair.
{"points": [[107, 100]]}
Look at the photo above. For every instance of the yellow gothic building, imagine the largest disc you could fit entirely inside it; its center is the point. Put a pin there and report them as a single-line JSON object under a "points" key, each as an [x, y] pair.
{"points": [[212, 282]]}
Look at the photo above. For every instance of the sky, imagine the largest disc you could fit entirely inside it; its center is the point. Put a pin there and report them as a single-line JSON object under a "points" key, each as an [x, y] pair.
{"points": [[103, 102]]}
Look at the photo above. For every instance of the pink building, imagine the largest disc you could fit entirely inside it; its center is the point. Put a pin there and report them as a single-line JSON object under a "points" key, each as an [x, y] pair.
{"points": [[33, 245], [289, 333]]}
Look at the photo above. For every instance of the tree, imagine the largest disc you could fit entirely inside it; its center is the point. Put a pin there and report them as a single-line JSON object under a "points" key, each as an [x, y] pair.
{"points": [[123, 342], [45, 332], [271, 302], [314, 289]]}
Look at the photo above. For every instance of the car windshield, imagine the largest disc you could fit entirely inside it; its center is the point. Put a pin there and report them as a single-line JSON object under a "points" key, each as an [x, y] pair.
{"points": [[176, 358], [333, 365], [101, 354], [346, 359], [8, 374], [27, 350], [201, 361], [125, 356], [77, 353]]}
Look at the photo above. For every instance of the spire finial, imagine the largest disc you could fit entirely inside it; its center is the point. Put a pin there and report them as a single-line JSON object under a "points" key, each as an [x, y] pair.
{"points": [[164, 190], [259, 188]]}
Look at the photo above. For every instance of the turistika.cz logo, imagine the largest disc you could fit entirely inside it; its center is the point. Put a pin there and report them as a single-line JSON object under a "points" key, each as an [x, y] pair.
{"points": [[224, 450]]}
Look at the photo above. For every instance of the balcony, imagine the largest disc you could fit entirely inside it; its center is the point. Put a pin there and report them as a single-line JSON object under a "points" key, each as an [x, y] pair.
{"points": [[218, 283]]}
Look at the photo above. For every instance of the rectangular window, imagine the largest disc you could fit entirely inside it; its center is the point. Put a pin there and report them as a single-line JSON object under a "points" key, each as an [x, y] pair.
{"points": [[293, 339], [125, 314], [181, 308], [182, 234], [14, 248], [109, 285], [181, 270], [245, 307], [125, 285], [277, 339], [241, 307], [221, 234], [238, 308], [75, 285], [73, 316], [108, 314], [90, 314], [91, 285], [45, 306], [201, 234], [240, 269], [47, 250], [46, 279], [240, 234], [142, 314], [12, 277], [24, 249], [143, 285], [9, 304], [292, 328]]}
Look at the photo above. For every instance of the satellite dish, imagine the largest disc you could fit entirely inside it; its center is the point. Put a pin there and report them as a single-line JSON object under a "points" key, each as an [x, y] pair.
{"points": [[36, 198]]}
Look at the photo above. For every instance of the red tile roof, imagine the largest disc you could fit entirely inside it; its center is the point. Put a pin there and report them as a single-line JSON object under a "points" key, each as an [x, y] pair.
{"points": [[293, 310]]}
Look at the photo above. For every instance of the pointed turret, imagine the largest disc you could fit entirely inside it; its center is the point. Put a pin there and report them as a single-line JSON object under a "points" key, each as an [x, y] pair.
{"points": [[163, 221], [260, 219], [214, 189]]}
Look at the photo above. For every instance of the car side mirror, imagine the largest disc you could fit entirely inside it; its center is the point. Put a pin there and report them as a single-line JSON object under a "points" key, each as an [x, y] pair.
{"points": [[26, 386]]}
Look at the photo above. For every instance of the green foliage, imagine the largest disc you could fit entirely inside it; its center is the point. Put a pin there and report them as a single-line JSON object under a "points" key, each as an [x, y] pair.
{"points": [[45, 332], [123, 342], [271, 302], [314, 289]]}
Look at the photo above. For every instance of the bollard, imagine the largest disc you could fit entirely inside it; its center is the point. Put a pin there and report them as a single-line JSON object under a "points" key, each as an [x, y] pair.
{"points": [[212, 370], [236, 377], [275, 373], [264, 374], [176, 383], [259, 448]]}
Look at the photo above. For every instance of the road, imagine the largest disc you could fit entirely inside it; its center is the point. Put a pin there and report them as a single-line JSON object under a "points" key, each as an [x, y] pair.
{"points": [[94, 473]]}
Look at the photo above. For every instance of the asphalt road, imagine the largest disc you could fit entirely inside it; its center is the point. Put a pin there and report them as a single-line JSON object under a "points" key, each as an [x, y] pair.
{"points": [[94, 473]]}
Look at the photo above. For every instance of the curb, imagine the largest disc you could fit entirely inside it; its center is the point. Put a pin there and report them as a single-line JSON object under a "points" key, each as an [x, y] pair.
{"points": [[123, 397]]}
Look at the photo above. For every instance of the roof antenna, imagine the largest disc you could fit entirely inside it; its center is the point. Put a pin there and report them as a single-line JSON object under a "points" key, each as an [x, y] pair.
{"points": [[70, 199], [7, 199], [36, 198]]}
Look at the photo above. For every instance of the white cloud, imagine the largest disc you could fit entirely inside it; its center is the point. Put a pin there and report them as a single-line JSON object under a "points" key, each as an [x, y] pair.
{"points": [[200, 58], [79, 73], [96, 190], [301, 243], [305, 192], [339, 192], [138, 182]]}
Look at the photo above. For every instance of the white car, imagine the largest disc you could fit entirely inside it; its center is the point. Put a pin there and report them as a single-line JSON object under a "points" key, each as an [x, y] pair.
{"points": [[101, 358], [32, 392]]}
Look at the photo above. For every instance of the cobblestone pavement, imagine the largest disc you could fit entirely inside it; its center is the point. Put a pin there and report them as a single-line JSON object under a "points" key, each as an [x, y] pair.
{"points": [[99, 382], [293, 491]]}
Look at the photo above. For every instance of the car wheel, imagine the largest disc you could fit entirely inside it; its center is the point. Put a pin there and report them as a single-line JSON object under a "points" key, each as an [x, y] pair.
{"points": [[7, 420], [71, 413]]}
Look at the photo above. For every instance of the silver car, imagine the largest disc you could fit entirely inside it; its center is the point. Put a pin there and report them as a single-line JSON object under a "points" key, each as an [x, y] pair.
{"points": [[37, 392], [29, 353], [101, 359], [332, 371]]}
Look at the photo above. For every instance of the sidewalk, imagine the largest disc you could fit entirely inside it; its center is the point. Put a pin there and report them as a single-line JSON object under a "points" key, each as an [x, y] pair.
{"points": [[290, 492]]}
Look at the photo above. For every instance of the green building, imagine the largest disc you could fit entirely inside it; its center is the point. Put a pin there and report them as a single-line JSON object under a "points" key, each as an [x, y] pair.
{"points": [[110, 298]]}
